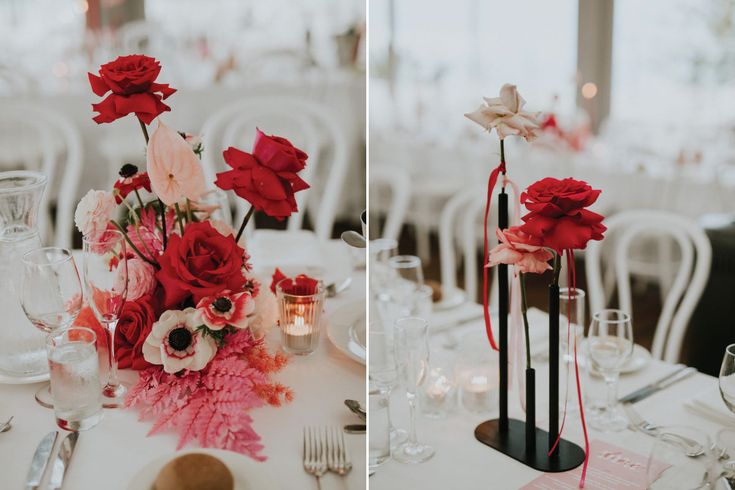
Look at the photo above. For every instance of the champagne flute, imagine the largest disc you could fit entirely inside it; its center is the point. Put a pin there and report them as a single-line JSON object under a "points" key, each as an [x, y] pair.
{"points": [[412, 362], [383, 374], [610, 345], [51, 295], [106, 282]]}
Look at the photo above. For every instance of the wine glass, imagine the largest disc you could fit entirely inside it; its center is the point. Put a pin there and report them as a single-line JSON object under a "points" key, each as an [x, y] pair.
{"points": [[609, 346], [407, 269], [681, 459], [51, 295], [106, 283], [412, 362], [382, 373], [727, 378]]}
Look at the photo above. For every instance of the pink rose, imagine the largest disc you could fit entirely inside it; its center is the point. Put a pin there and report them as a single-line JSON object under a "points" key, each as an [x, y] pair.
{"points": [[506, 115], [521, 250], [173, 168], [94, 213], [141, 278]]}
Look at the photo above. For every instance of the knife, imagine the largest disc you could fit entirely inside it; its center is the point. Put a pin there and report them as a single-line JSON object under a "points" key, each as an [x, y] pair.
{"points": [[61, 462], [677, 375], [40, 460]]}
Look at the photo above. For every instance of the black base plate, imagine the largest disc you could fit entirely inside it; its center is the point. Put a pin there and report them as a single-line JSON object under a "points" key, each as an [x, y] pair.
{"points": [[567, 455]]}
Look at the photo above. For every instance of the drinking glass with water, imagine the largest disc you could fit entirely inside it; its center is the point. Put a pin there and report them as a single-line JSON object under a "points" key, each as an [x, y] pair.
{"points": [[75, 379]]}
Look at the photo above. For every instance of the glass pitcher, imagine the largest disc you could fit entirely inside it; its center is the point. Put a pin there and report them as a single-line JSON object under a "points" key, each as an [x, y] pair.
{"points": [[22, 346]]}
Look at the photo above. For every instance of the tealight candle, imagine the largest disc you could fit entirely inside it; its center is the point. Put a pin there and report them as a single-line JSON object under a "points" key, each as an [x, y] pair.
{"points": [[439, 393], [477, 391], [299, 318]]}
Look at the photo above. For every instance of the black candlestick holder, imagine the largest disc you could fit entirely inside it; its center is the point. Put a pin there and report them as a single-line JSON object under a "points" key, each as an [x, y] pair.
{"points": [[522, 440]]}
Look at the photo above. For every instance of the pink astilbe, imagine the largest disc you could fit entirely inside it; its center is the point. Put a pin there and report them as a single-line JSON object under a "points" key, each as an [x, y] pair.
{"points": [[211, 406]]}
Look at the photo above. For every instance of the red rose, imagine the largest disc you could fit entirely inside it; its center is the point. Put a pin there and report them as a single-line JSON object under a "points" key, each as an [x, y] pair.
{"points": [[277, 277], [267, 178], [201, 263], [136, 322], [132, 82], [558, 216]]}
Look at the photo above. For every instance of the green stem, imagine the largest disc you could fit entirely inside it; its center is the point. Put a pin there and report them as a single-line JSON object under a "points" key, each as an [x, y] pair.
{"points": [[145, 130], [524, 309], [140, 199], [163, 222], [135, 249], [557, 269], [245, 221], [179, 218], [188, 210]]}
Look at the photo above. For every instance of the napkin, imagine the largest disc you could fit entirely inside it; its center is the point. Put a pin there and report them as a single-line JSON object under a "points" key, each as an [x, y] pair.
{"points": [[709, 404], [269, 249]]}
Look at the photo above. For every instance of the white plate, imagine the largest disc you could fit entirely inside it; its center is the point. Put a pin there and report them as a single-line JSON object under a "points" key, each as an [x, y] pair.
{"points": [[638, 360], [248, 474], [9, 379], [345, 332], [451, 299]]}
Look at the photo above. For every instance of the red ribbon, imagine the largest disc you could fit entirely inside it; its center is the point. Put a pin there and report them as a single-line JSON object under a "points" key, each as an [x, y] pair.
{"points": [[485, 283]]}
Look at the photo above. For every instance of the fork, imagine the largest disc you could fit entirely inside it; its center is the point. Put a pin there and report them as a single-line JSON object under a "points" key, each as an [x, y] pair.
{"points": [[692, 447], [315, 454], [338, 460]]}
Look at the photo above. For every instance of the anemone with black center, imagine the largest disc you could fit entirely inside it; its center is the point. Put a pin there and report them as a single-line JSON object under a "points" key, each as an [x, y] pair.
{"points": [[128, 170], [222, 304], [179, 338]]}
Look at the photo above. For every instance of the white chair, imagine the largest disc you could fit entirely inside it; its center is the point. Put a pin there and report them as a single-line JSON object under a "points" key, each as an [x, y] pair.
{"points": [[310, 127], [50, 143], [461, 224], [398, 184], [689, 281]]}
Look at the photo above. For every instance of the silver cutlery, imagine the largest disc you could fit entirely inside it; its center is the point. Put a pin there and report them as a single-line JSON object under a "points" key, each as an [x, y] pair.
{"points": [[334, 288], [61, 462], [315, 457], [40, 460], [338, 460], [7, 425], [691, 447], [355, 428], [355, 408], [677, 375]]}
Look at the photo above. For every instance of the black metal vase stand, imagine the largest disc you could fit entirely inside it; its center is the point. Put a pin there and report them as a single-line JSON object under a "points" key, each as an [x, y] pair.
{"points": [[522, 440]]}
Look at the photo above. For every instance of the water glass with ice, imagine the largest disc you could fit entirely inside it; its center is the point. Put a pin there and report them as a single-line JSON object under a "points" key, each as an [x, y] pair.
{"points": [[75, 379]]}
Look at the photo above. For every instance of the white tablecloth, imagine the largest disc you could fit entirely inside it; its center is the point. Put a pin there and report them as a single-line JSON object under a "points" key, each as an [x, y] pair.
{"points": [[461, 462], [111, 453]]}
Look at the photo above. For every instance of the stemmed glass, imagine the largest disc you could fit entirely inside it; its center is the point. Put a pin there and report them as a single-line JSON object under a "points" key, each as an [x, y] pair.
{"points": [[412, 362], [51, 295], [682, 459], [106, 283], [727, 378], [610, 345], [383, 375]]}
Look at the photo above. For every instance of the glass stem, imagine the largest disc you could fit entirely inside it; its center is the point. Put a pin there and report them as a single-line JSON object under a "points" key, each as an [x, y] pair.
{"points": [[112, 374], [611, 382], [412, 439]]}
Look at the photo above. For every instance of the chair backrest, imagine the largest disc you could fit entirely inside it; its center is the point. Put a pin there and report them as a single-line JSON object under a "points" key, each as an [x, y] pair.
{"points": [[398, 184], [689, 282], [315, 131], [458, 224], [58, 155]]}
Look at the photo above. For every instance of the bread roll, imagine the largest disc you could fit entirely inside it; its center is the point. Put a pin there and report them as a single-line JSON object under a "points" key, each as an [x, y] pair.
{"points": [[195, 472]]}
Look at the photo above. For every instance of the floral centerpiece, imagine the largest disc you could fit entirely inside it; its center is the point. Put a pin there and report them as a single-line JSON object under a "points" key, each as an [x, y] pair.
{"points": [[557, 223], [193, 320]]}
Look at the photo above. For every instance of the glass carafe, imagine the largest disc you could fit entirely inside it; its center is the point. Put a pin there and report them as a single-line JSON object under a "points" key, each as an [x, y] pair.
{"points": [[22, 346]]}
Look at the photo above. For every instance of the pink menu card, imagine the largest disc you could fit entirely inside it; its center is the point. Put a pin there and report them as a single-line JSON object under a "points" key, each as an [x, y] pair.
{"points": [[610, 467]]}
